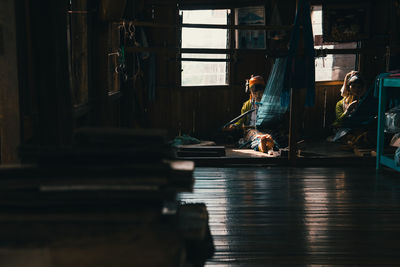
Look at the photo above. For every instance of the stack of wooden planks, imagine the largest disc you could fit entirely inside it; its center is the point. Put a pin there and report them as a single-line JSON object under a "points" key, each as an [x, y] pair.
{"points": [[200, 150], [110, 182], [130, 167]]}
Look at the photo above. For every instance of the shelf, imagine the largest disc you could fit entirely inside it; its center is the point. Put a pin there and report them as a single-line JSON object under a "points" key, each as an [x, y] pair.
{"points": [[393, 83], [389, 162]]}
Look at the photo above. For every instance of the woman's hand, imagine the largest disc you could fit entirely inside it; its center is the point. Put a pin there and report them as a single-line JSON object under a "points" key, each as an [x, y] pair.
{"points": [[345, 90], [231, 127], [351, 107]]}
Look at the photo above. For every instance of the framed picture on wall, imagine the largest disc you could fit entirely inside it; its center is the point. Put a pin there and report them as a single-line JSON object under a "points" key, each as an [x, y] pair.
{"points": [[345, 22], [252, 39]]}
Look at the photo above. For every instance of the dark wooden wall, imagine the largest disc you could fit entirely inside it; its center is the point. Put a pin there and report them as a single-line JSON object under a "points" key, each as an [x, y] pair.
{"points": [[318, 118], [52, 103], [9, 85], [44, 95], [200, 111]]}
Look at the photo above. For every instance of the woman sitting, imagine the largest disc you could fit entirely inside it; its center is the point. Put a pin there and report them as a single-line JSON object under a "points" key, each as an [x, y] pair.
{"points": [[352, 91], [253, 138], [355, 113]]}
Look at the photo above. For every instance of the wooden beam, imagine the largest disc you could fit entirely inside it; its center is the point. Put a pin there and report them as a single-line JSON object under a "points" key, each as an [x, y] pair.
{"points": [[239, 27], [294, 115], [206, 59], [214, 26], [174, 50], [9, 86]]}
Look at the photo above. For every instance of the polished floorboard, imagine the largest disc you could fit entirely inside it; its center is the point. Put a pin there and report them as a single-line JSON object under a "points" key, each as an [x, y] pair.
{"points": [[287, 216]]}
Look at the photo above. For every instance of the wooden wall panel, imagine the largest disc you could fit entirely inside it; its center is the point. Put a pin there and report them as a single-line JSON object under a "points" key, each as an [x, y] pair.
{"points": [[114, 111], [374, 62], [162, 113], [251, 62], [212, 111], [175, 112], [79, 52], [52, 92], [99, 59], [188, 111], [317, 119], [9, 86], [105, 98]]}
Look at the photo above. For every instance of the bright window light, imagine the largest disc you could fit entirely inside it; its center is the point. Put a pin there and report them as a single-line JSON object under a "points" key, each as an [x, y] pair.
{"points": [[331, 67], [199, 71]]}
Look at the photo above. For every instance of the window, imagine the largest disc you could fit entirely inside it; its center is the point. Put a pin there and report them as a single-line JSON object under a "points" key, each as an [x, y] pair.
{"points": [[204, 56], [331, 67]]}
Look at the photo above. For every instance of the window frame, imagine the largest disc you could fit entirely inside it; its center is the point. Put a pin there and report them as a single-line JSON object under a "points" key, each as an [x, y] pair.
{"points": [[228, 51], [323, 52]]}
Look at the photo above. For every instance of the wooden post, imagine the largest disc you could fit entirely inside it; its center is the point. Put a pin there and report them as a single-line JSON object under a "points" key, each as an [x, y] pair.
{"points": [[50, 60], [78, 18], [9, 86], [296, 105], [292, 155], [293, 127], [297, 100]]}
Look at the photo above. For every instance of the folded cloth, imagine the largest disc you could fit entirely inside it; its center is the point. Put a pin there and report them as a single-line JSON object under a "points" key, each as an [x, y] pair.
{"points": [[184, 140]]}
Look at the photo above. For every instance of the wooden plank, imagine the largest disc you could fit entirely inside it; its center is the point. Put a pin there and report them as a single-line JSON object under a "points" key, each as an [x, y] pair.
{"points": [[99, 94], [78, 18], [54, 123], [91, 244], [294, 118], [201, 151], [106, 136], [214, 26], [362, 152], [111, 10], [67, 186], [9, 84]]}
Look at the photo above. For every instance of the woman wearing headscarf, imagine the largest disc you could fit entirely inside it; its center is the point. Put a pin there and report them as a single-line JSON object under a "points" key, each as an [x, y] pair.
{"points": [[352, 91], [253, 138]]}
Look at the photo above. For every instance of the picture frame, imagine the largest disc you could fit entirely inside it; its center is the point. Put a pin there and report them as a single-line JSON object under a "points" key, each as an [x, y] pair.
{"points": [[345, 22], [250, 39]]}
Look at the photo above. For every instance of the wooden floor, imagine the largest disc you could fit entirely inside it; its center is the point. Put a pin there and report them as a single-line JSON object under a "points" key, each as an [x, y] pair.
{"points": [[285, 216]]}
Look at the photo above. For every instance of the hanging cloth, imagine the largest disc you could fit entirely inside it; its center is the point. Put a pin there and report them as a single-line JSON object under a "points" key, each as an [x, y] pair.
{"points": [[293, 71], [300, 72], [270, 111]]}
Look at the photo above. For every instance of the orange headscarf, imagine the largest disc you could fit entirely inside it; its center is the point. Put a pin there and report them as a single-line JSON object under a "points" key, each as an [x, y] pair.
{"points": [[256, 80]]}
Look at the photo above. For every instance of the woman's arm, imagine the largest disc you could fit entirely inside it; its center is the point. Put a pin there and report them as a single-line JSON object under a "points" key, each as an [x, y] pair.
{"points": [[246, 107], [340, 114]]}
